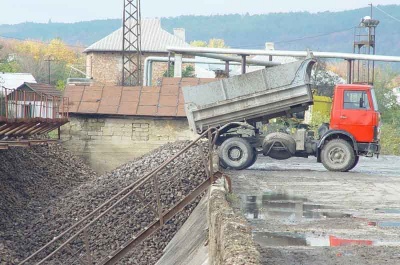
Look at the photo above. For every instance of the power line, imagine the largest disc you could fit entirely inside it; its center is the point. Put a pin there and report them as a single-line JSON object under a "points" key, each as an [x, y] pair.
{"points": [[315, 36], [299, 39], [389, 15]]}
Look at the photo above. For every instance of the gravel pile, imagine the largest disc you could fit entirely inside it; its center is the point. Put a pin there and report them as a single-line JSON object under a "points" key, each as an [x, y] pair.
{"points": [[176, 181], [30, 180]]}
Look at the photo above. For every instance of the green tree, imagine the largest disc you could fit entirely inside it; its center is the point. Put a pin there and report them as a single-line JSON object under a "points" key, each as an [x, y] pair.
{"points": [[389, 109], [188, 71]]}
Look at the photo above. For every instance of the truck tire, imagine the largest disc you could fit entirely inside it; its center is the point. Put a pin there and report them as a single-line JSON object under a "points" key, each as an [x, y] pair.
{"points": [[222, 164], [287, 140], [338, 155], [252, 162], [355, 163], [236, 153]]}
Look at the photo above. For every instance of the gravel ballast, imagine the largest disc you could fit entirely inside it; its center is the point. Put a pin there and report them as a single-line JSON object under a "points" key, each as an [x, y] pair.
{"points": [[127, 219]]}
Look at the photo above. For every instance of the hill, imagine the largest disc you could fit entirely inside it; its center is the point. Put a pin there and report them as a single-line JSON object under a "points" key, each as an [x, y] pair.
{"points": [[327, 31]]}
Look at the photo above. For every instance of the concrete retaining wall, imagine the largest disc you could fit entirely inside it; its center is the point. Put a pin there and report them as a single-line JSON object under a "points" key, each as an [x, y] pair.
{"points": [[106, 143], [230, 240]]}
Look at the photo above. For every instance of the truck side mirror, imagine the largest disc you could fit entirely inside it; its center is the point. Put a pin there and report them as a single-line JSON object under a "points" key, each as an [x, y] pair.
{"points": [[361, 103]]}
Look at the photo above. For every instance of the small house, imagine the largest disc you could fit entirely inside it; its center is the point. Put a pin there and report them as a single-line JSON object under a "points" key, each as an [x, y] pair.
{"points": [[33, 100]]}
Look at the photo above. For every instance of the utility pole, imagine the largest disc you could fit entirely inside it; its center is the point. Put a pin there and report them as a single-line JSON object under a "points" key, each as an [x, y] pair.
{"points": [[49, 60], [371, 9], [131, 44]]}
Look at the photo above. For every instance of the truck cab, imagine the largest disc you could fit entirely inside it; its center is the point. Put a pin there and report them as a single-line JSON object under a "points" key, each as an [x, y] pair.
{"points": [[355, 110], [355, 122]]}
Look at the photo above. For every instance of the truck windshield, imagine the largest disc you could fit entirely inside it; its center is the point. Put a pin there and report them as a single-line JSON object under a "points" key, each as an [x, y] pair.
{"points": [[375, 102]]}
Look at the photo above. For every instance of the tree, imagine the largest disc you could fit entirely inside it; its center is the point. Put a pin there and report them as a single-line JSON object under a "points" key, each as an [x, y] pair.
{"points": [[388, 106], [188, 71], [212, 43], [40, 58], [7, 62], [389, 109], [199, 43]]}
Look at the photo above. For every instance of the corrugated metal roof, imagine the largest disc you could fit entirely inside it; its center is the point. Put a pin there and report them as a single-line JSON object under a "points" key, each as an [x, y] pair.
{"points": [[154, 39], [165, 100], [42, 88]]}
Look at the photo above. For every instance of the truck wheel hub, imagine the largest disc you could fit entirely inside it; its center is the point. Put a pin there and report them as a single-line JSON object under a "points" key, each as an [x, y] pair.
{"points": [[235, 154], [337, 155]]}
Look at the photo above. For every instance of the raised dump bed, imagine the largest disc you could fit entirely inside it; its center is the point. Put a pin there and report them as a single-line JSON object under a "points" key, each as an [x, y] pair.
{"points": [[263, 94]]}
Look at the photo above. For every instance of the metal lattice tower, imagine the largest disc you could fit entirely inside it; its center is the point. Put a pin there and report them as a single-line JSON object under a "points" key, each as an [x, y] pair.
{"points": [[364, 43], [131, 44]]}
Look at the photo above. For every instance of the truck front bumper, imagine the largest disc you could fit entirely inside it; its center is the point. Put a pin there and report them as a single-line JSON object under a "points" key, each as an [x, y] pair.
{"points": [[369, 149]]}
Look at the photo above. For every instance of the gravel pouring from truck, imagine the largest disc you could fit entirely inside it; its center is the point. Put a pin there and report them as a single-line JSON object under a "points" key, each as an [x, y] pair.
{"points": [[239, 106]]}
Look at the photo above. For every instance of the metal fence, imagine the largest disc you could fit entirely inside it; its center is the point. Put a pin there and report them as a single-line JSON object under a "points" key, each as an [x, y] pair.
{"points": [[20, 105]]}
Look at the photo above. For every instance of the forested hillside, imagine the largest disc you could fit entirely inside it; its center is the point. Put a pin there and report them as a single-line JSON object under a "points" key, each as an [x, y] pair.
{"points": [[299, 30]]}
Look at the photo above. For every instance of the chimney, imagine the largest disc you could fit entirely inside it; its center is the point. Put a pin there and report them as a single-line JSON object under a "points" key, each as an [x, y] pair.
{"points": [[269, 46], [180, 33]]}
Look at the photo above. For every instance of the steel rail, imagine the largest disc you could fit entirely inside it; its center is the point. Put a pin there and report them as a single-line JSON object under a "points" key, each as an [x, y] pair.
{"points": [[156, 225]]}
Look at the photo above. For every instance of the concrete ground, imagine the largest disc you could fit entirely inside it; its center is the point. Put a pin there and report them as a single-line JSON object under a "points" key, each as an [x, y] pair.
{"points": [[304, 214]]}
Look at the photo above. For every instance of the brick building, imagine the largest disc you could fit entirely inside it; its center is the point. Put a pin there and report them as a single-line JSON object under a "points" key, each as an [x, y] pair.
{"points": [[104, 57], [111, 125]]}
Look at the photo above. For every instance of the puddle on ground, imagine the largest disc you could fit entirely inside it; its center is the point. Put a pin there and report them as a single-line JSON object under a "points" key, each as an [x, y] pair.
{"points": [[286, 206], [388, 210], [385, 224], [269, 239]]}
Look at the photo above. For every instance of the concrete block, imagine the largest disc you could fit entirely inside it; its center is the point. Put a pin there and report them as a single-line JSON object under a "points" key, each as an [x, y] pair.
{"points": [[84, 138], [127, 134], [107, 131], [144, 138], [92, 133]]}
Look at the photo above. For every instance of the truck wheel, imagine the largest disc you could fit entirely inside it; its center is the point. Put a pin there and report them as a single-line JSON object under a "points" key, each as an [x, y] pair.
{"points": [[338, 155], [236, 153], [252, 162], [355, 163], [222, 164]]}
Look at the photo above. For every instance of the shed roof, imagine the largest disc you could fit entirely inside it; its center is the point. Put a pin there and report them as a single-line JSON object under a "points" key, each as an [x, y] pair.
{"points": [[165, 100], [154, 39], [40, 88]]}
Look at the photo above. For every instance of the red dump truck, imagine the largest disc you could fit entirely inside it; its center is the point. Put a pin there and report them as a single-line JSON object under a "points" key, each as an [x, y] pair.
{"points": [[240, 105]]}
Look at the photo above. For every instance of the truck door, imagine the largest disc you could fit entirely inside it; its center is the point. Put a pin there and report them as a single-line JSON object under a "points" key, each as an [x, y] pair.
{"points": [[357, 115]]}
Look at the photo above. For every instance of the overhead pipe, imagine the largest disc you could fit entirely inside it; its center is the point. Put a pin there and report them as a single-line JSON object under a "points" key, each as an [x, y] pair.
{"points": [[346, 56], [148, 65], [237, 59]]}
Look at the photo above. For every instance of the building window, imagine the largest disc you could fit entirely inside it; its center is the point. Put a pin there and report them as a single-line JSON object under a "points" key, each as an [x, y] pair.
{"points": [[356, 100]]}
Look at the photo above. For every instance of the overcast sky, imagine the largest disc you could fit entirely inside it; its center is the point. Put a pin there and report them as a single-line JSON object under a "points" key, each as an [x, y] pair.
{"points": [[16, 11]]}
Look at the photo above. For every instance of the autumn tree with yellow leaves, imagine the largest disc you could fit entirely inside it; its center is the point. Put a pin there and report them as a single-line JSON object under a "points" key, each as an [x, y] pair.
{"points": [[38, 58], [212, 43]]}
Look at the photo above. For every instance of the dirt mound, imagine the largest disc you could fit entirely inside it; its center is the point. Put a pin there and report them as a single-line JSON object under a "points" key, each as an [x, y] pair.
{"points": [[177, 180]]}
